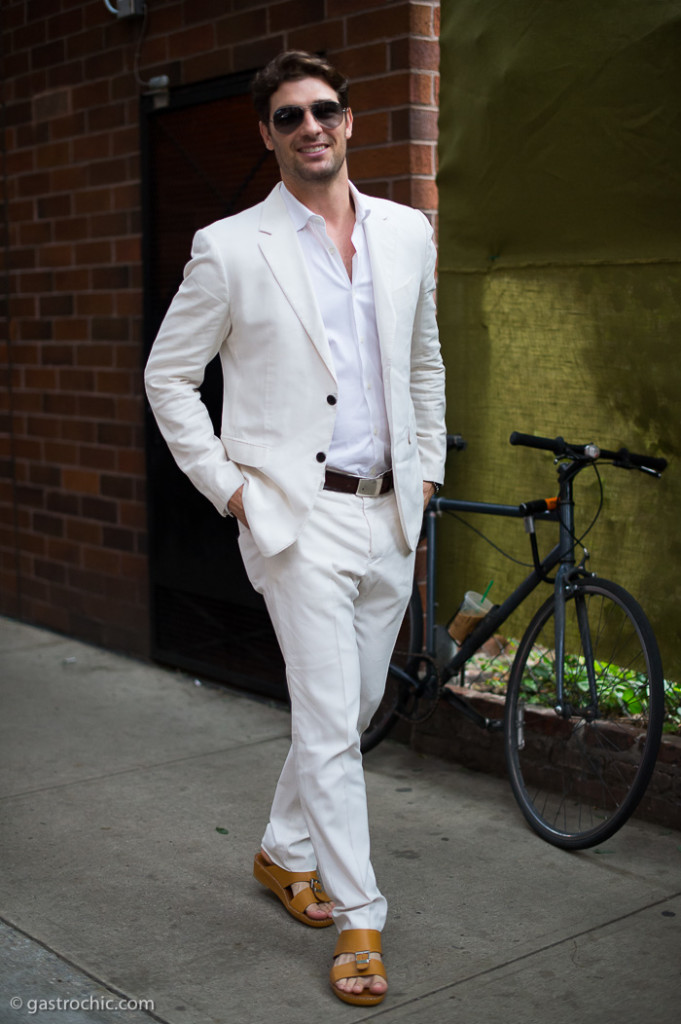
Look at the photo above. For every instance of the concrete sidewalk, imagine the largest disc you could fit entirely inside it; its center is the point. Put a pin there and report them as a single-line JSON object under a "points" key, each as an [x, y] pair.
{"points": [[132, 802]]}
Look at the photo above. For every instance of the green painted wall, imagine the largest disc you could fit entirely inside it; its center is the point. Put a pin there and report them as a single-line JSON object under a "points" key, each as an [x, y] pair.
{"points": [[560, 276]]}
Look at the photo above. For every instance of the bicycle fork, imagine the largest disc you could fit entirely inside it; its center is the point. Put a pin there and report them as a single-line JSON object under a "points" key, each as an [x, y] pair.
{"points": [[565, 586]]}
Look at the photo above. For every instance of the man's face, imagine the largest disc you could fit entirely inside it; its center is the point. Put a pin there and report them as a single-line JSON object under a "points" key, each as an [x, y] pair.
{"points": [[311, 154]]}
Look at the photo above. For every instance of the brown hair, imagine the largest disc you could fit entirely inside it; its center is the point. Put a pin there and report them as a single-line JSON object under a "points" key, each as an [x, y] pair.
{"points": [[291, 66]]}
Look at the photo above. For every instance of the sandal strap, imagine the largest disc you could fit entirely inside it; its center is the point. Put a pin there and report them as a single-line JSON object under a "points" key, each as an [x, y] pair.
{"points": [[350, 970], [314, 892], [361, 942], [307, 897]]}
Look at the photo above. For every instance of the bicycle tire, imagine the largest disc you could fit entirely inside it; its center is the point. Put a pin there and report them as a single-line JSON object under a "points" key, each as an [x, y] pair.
{"points": [[578, 779], [397, 689]]}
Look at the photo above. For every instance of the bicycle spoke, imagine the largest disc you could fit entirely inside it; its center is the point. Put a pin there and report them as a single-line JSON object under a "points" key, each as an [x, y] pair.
{"points": [[578, 772]]}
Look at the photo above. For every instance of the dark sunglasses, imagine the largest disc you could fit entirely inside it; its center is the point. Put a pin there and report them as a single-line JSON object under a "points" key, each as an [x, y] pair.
{"points": [[327, 113]]}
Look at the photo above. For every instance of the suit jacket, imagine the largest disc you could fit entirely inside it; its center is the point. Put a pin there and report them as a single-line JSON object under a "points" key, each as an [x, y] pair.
{"points": [[246, 295]]}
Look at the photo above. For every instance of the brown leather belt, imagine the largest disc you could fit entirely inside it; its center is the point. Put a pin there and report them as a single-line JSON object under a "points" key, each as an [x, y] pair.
{"points": [[367, 487]]}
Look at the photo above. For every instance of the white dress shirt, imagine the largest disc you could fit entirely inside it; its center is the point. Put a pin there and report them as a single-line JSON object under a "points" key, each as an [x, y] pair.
{"points": [[361, 439]]}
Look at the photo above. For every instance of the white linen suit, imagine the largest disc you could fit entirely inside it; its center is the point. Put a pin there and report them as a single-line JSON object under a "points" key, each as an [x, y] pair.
{"points": [[247, 295]]}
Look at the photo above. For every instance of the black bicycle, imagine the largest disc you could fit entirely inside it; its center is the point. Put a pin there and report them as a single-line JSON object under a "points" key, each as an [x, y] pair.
{"points": [[583, 688]]}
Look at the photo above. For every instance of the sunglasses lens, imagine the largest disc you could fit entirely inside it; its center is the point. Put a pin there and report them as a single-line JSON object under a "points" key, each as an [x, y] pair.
{"points": [[327, 113], [287, 119]]}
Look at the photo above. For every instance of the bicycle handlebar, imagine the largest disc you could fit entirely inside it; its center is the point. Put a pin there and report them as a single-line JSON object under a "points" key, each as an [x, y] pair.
{"points": [[559, 446]]}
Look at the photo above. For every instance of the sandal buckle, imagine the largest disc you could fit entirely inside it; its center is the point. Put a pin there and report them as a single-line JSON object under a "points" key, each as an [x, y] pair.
{"points": [[316, 886], [363, 959]]}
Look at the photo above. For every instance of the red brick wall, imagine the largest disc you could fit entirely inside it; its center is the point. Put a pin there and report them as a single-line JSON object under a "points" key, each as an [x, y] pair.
{"points": [[72, 473]]}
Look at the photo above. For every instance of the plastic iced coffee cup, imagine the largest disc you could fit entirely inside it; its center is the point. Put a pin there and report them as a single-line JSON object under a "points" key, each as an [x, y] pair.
{"points": [[472, 609]]}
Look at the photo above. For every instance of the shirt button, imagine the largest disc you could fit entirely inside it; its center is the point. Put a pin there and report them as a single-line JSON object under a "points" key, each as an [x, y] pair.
{"points": [[331, 399], [321, 457]]}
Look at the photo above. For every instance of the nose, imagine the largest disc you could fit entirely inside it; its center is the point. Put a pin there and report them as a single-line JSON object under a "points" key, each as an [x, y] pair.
{"points": [[309, 124]]}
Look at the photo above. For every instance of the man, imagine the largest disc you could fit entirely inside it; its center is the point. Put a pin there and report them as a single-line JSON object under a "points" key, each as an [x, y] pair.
{"points": [[319, 302]]}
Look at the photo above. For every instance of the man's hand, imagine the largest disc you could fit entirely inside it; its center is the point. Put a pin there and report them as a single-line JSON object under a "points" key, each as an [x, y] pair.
{"points": [[428, 492], [235, 505]]}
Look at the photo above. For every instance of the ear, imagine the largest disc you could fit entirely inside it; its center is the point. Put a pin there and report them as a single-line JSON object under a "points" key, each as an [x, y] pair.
{"points": [[266, 138], [348, 123]]}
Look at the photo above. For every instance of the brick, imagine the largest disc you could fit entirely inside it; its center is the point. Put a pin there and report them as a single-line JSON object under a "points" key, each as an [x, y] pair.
{"points": [[84, 532], [50, 105], [57, 355], [115, 486], [111, 224], [106, 172], [48, 54], [256, 54], [35, 233], [358, 61], [105, 118], [109, 328], [385, 22], [94, 304], [200, 39], [67, 127], [49, 525], [328, 36], [58, 404], [388, 91], [79, 430], [36, 184], [71, 229], [53, 206], [69, 179], [415, 123], [423, 54], [92, 253], [118, 538], [81, 481], [62, 551], [42, 379], [239, 27], [56, 305], [101, 560], [97, 458], [100, 509], [285, 16], [55, 255], [65, 75], [71, 330], [96, 407], [338, 8]]}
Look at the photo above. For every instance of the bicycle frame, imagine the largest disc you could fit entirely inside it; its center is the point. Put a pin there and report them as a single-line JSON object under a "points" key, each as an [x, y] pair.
{"points": [[562, 555]]}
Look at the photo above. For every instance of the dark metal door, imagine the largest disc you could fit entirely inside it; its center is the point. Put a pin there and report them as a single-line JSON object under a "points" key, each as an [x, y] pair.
{"points": [[203, 159]]}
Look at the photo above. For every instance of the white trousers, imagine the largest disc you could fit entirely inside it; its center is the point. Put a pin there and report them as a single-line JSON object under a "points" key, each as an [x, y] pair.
{"points": [[336, 599]]}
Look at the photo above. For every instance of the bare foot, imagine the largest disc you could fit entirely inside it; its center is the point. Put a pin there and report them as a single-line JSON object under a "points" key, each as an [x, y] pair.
{"points": [[374, 983], [315, 911]]}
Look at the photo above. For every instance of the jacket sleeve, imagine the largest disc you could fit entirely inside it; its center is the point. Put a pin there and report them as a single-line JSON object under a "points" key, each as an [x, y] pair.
{"points": [[195, 326], [428, 372]]}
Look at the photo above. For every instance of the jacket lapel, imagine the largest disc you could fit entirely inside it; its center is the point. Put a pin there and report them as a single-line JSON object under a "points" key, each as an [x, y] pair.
{"points": [[279, 245], [381, 244]]}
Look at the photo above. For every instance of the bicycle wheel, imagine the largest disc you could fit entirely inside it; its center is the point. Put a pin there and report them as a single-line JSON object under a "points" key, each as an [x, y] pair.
{"points": [[579, 774], [398, 689]]}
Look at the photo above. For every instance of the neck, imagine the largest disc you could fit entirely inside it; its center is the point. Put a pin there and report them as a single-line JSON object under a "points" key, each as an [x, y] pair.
{"points": [[330, 200]]}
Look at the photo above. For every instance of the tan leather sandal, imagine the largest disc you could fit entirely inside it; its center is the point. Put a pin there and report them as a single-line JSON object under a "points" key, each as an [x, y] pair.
{"points": [[278, 880], [362, 942]]}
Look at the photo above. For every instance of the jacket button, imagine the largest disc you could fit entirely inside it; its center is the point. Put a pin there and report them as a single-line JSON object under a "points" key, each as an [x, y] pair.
{"points": [[321, 457], [331, 399]]}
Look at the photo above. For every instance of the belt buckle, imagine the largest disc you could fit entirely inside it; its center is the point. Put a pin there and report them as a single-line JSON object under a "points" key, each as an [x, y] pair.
{"points": [[370, 487]]}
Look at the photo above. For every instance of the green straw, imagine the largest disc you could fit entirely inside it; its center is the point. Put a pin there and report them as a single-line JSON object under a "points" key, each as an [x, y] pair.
{"points": [[489, 587]]}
